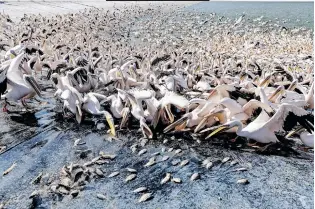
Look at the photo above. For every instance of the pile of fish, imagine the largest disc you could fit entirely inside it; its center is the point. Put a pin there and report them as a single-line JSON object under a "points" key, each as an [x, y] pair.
{"points": [[165, 72]]}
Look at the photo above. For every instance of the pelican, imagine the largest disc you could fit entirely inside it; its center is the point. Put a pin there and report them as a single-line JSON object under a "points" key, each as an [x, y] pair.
{"points": [[263, 128], [20, 85], [306, 137], [72, 102], [135, 98], [92, 105], [164, 109]]}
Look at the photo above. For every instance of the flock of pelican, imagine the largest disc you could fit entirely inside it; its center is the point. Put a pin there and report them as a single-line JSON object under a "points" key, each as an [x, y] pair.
{"points": [[199, 73]]}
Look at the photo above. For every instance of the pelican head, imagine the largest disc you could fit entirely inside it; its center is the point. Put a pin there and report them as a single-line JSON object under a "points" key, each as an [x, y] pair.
{"points": [[180, 122], [224, 127], [292, 86], [265, 82], [214, 116], [280, 90]]}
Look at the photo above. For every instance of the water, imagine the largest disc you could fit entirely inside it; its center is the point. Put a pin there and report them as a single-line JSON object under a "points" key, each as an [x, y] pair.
{"points": [[288, 14]]}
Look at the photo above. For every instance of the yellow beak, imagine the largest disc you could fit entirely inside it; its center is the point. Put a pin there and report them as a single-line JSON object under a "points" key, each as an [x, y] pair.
{"points": [[220, 129], [110, 122]]}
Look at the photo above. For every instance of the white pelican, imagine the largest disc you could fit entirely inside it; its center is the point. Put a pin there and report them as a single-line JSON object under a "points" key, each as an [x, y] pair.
{"points": [[263, 128], [72, 102], [164, 108], [306, 137], [136, 97], [20, 85], [92, 105]]}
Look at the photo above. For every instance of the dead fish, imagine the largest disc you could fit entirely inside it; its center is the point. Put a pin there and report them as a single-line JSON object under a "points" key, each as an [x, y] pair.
{"points": [[209, 165], [101, 196], [145, 197], [166, 178], [194, 177], [140, 189], [150, 162], [170, 149], [175, 162], [225, 159], [95, 159], [241, 169], [155, 154], [163, 149], [37, 178], [107, 156], [178, 151], [166, 157], [173, 138], [113, 174], [183, 163], [176, 180], [76, 142], [101, 162], [99, 172], [141, 152], [130, 177], [242, 181], [88, 164], [205, 162], [233, 162], [165, 141], [131, 170], [9, 169], [63, 190]]}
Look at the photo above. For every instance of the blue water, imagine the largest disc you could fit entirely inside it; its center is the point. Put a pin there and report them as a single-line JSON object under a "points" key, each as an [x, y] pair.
{"points": [[289, 14]]}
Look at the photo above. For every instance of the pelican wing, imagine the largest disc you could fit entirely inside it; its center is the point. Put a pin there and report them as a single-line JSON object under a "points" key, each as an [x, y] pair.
{"points": [[141, 94], [99, 96], [288, 116], [78, 76], [175, 99], [3, 80], [65, 94], [14, 74]]}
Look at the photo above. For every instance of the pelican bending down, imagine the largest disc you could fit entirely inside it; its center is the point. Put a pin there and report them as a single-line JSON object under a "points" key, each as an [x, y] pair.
{"points": [[92, 105], [136, 97], [72, 102], [306, 138], [263, 128]]}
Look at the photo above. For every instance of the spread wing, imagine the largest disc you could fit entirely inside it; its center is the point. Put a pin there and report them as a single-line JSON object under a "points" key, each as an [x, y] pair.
{"points": [[287, 117]]}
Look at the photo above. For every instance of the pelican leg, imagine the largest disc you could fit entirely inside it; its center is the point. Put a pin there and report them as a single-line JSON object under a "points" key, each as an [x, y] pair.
{"points": [[4, 109], [264, 148], [24, 103], [304, 149], [234, 140]]}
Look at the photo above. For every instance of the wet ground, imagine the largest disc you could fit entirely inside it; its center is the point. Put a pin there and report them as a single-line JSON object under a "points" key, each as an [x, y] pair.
{"points": [[42, 141]]}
